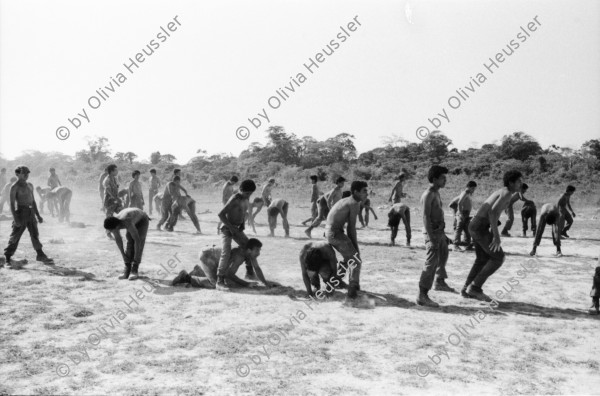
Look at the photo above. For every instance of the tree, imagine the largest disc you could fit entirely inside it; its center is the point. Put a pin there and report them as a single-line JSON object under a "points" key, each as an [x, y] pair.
{"points": [[436, 145], [155, 158], [120, 157], [282, 147], [168, 158], [592, 148], [97, 150], [129, 156], [394, 140], [519, 146]]}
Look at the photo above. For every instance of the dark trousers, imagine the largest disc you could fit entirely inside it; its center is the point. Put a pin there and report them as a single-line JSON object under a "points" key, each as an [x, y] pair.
{"points": [[27, 222], [322, 213], [133, 255], [462, 219], [556, 230], [509, 222], [486, 261], [529, 212], [568, 221]]}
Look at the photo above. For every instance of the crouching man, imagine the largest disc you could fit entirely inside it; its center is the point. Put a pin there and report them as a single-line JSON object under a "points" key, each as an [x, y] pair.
{"points": [[205, 274], [318, 259]]}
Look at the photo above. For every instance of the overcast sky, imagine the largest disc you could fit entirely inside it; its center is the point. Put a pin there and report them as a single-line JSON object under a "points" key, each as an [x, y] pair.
{"points": [[227, 58]]}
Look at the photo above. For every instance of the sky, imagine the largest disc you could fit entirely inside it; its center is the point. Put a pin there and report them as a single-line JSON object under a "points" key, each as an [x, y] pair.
{"points": [[224, 61]]}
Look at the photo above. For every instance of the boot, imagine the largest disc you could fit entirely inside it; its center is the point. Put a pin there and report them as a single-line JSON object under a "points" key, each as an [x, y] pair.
{"points": [[477, 293], [463, 292], [595, 308], [134, 271], [126, 271], [441, 285], [424, 300], [221, 284], [182, 277], [41, 256]]}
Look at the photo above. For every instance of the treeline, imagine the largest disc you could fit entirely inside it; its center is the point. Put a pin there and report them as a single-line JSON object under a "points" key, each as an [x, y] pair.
{"points": [[289, 158]]}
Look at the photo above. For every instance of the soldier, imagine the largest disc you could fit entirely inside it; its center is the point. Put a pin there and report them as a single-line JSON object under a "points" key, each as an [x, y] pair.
{"points": [[188, 204], [112, 202], [486, 238], [325, 203], [136, 196], [24, 211], [61, 197], [436, 242], [136, 222], [397, 193], [53, 180], [399, 212], [528, 212], [366, 206], [101, 187], [563, 203], [257, 203], [266, 192], [5, 196], [318, 259], [463, 216], [153, 190], [43, 193], [278, 206], [227, 193], [170, 195], [314, 196], [549, 214]]}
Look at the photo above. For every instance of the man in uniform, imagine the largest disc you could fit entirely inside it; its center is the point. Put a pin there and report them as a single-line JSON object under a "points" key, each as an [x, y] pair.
{"points": [[112, 202], [154, 186], [325, 203], [399, 212], [397, 193], [61, 197], [314, 196], [24, 211], [136, 222]]}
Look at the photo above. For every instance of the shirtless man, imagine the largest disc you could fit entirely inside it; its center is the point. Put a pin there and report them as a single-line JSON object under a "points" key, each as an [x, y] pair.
{"points": [[266, 192], [345, 212], [24, 211], [136, 196], [188, 204], [233, 216], [227, 193], [158, 198], [277, 207], [170, 195], [257, 204], [314, 196], [153, 189], [101, 187], [43, 193], [436, 242], [366, 206], [318, 258], [486, 238], [397, 193], [205, 274], [511, 213], [549, 214], [563, 203], [5, 197], [528, 211], [463, 215], [136, 222], [399, 212], [454, 206], [325, 203], [124, 197], [53, 180], [61, 196], [112, 202]]}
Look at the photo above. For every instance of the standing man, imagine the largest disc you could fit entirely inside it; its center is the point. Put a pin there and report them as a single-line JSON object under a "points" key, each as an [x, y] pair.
{"points": [[397, 192], [101, 187], [399, 212], [53, 180], [436, 242], [484, 231], [112, 202], [136, 196], [233, 217], [345, 212], [463, 215], [136, 222], [595, 293], [326, 202], [24, 211], [266, 192], [314, 196], [227, 193], [278, 206], [154, 186], [563, 203], [367, 208], [528, 211], [5, 197], [549, 214]]}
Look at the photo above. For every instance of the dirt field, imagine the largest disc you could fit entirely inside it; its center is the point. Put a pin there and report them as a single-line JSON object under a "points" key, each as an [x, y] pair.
{"points": [[177, 340]]}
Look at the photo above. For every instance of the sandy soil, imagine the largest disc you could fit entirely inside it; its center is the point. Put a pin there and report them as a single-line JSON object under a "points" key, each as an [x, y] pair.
{"points": [[68, 329]]}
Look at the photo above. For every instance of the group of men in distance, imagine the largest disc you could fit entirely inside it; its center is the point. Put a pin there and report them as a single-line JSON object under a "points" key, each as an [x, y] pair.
{"points": [[218, 267]]}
